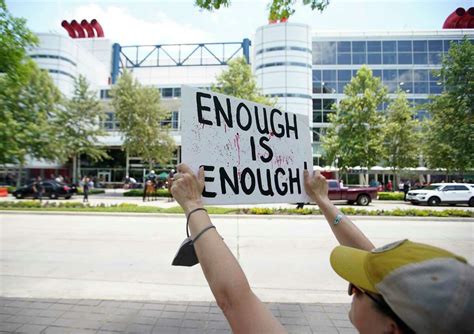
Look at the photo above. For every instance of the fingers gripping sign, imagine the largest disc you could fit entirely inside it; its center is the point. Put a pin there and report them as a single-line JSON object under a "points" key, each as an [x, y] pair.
{"points": [[187, 187], [315, 185]]}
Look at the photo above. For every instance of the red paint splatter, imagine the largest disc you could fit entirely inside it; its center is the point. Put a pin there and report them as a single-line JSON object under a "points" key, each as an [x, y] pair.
{"points": [[280, 160], [237, 145]]}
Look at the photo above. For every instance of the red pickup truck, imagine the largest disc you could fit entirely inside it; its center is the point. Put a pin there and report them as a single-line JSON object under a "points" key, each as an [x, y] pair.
{"points": [[361, 196]]}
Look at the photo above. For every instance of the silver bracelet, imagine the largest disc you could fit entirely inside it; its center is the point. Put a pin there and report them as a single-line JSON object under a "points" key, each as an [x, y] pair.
{"points": [[338, 219]]}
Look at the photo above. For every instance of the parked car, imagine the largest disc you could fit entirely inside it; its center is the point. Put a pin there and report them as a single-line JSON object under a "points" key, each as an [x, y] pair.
{"points": [[443, 193], [52, 189], [360, 195]]}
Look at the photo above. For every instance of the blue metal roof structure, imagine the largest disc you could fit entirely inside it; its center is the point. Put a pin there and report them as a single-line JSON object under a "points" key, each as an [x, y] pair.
{"points": [[170, 55]]}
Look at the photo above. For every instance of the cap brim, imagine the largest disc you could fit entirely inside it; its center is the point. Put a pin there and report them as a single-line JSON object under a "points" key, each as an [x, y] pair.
{"points": [[349, 263]]}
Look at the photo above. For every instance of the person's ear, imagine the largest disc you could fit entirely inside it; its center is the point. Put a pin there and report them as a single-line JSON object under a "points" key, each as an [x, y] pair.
{"points": [[392, 327]]}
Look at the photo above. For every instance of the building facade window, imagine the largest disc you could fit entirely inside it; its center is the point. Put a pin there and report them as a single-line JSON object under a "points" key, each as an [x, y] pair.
{"points": [[410, 55], [43, 56], [67, 74], [405, 64], [172, 121], [318, 133], [105, 94], [110, 122]]}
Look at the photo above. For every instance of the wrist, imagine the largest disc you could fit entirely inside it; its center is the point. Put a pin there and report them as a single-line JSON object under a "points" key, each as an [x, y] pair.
{"points": [[189, 206], [321, 200]]}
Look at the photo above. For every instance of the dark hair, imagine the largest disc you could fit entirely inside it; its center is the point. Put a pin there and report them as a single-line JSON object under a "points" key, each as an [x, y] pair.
{"points": [[385, 309]]}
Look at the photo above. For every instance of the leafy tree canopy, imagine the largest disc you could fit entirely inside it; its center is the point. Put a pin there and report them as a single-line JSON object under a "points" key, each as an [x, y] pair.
{"points": [[356, 133], [278, 9], [15, 37], [79, 124], [449, 140], [28, 102], [239, 81], [402, 137], [139, 113]]}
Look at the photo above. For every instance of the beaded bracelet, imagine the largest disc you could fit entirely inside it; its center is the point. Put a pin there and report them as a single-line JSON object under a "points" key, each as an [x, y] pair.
{"points": [[338, 219]]}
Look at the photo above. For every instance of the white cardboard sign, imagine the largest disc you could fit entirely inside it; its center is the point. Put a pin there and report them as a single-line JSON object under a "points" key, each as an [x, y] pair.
{"points": [[251, 153]]}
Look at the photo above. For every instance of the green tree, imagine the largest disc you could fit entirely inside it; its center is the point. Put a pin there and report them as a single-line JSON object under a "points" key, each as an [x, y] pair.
{"points": [[449, 135], [278, 9], [29, 100], [139, 113], [238, 81], [15, 37], [79, 125], [402, 136], [15, 72], [356, 134]]}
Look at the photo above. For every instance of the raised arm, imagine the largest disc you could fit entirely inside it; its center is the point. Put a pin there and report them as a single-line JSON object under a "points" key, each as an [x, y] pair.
{"points": [[243, 310], [343, 228]]}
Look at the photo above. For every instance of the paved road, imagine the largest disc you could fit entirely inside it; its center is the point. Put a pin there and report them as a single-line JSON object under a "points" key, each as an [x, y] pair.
{"points": [[111, 257], [111, 273]]}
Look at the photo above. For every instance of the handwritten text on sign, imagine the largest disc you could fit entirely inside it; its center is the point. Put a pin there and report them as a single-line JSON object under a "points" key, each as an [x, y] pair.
{"points": [[251, 153]]}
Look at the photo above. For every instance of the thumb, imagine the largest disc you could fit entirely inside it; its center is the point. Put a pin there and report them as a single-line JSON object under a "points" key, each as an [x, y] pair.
{"points": [[305, 175], [201, 175]]}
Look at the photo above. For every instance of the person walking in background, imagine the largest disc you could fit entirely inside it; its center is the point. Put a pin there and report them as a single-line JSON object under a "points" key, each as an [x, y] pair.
{"points": [[169, 184], [406, 189], [389, 185], [85, 189], [126, 182], [38, 188], [144, 189]]}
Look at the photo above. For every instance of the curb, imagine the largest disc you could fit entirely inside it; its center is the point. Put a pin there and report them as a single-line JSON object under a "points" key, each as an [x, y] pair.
{"points": [[234, 216]]}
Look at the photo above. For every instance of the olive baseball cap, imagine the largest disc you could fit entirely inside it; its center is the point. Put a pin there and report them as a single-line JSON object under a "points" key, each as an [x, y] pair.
{"points": [[429, 288]]}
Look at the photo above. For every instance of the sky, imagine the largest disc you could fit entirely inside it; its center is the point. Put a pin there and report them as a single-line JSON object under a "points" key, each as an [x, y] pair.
{"points": [[180, 21]]}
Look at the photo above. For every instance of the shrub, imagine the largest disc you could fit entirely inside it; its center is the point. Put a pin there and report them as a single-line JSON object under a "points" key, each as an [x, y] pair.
{"points": [[303, 211], [19, 205], [261, 211], [128, 207], [349, 211], [68, 205], [91, 191], [389, 196], [139, 193]]}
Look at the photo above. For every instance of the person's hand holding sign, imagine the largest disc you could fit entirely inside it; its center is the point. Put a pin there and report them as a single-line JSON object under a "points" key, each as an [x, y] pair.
{"points": [[244, 311], [345, 231], [187, 188], [316, 186]]}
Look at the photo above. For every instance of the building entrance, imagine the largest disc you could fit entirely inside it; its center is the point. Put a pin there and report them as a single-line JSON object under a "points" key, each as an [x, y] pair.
{"points": [[104, 176]]}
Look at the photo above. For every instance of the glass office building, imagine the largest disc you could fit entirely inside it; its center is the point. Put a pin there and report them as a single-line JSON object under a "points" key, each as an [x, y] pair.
{"points": [[402, 60]]}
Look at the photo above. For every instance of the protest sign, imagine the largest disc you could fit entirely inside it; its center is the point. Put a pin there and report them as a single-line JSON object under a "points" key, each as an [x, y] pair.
{"points": [[251, 153]]}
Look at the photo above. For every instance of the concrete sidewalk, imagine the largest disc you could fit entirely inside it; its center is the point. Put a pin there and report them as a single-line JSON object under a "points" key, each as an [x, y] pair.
{"points": [[26, 315]]}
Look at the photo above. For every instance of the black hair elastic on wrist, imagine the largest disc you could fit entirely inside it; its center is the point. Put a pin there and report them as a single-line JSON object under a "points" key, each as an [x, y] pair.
{"points": [[186, 255]]}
